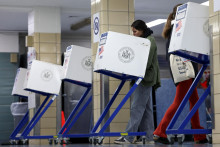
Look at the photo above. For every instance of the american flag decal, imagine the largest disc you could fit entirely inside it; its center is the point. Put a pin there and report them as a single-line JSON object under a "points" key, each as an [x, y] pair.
{"points": [[178, 25], [101, 49]]}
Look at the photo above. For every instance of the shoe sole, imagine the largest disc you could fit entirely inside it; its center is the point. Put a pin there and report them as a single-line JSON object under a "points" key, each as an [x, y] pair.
{"points": [[161, 140]]}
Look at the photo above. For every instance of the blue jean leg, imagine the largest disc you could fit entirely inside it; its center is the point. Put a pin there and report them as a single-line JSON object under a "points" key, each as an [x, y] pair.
{"points": [[141, 114]]}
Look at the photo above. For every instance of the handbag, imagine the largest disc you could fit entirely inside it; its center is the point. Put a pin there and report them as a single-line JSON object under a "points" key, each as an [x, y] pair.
{"points": [[181, 68]]}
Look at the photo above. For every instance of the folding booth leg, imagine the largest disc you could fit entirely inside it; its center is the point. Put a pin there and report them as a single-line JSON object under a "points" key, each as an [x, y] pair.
{"points": [[76, 118], [186, 98], [181, 129], [195, 108], [108, 106], [19, 126], [34, 117], [74, 112], [37, 119], [120, 106]]}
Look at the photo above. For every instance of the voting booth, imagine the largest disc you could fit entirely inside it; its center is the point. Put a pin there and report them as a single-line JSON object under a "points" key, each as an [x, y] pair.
{"points": [[31, 56], [44, 78], [123, 54], [190, 29], [19, 109], [190, 40], [18, 88], [123, 57], [78, 71], [77, 64]]}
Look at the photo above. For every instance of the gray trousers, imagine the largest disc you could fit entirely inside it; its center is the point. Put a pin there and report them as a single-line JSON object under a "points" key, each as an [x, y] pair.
{"points": [[141, 114]]}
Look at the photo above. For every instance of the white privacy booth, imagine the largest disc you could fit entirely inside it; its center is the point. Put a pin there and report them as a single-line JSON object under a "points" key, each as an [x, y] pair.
{"points": [[123, 54], [19, 110], [77, 70], [18, 88], [45, 79], [190, 39], [77, 64], [190, 29], [123, 57]]}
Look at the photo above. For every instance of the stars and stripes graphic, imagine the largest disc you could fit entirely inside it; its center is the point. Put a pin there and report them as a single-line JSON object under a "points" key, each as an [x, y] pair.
{"points": [[178, 25], [101, 50]]}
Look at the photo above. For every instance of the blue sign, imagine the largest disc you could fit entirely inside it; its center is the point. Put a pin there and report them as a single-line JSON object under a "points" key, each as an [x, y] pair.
{"points": [[184, 6], [96, 25]]}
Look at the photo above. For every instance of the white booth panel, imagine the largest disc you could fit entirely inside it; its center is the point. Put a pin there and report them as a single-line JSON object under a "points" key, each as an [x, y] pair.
{"points": [[190, 29], [78, 64], [44, 77], [121, 53], [31, 55], [18, 88]]}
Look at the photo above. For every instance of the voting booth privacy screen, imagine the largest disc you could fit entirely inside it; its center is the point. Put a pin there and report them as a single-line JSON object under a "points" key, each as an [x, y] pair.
{"points": [[190, 29], [31, 54], [78, 64], [18, 88], [44, 78], [123, 54]]}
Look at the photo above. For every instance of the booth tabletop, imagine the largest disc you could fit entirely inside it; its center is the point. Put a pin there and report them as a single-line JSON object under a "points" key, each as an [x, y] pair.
{"points": [[116, 75], [200, 58]]}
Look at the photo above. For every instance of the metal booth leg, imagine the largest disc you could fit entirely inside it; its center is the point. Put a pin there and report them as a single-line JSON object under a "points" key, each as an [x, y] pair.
{"points": [[185, 99], [36, 120], [76, 118], [181, 130], [19, 126], [74, 111], [34, 117], [119, 106], [108, 106], [195, 108]]}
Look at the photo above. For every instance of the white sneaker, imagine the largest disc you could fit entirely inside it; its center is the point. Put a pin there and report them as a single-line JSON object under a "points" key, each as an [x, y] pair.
{"points": [[122, 140]]}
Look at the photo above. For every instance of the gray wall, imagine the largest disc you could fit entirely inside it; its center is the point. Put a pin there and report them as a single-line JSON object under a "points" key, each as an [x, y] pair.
{"points": [[8, 72], [7, 76], [67, 40]]}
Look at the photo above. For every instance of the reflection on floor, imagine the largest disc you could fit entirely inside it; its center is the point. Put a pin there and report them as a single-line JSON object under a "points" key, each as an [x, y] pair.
{"points": [[185, 144]]}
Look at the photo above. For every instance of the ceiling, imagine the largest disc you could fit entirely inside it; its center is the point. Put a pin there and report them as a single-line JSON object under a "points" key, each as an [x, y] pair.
{"points": [[14, 13]]}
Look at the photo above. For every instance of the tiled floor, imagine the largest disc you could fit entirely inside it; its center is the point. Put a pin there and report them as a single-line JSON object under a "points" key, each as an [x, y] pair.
{"points": [[185, 144]]}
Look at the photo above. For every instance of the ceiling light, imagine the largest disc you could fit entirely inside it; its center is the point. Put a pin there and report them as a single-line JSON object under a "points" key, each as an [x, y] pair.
{"points": [[156, 22], [160, 21], [205, 3]]}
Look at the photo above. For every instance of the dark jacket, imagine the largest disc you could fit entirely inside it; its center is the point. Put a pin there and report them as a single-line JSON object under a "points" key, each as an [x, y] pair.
{"points": [[152, 74]]}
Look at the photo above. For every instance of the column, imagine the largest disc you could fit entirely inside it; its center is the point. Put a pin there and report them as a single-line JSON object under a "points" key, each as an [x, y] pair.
{"points": [[117, 16], [214, 20], [44, 26]]}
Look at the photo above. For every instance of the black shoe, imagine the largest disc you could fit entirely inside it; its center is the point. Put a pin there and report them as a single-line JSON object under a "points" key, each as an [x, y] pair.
{"points": [[161, 140], [201, 141]]}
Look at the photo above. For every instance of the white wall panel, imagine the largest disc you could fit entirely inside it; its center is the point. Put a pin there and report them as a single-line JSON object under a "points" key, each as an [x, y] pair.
{"points": [[9, 42]]}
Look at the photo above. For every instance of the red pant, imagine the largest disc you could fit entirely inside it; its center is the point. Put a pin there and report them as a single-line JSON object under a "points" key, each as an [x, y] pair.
{"points": [[181, 91]]}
